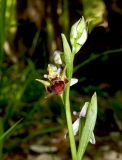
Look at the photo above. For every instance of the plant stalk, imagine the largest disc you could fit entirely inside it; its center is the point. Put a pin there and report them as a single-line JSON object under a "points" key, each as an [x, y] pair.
{"points": [[69, 123]]}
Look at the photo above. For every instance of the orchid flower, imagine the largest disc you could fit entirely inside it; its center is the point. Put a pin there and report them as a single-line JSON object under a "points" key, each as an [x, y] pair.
{"points": [[56, 79], [76, 124]]}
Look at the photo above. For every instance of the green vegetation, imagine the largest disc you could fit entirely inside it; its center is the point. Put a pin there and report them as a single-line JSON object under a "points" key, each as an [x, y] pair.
{"points": [[29, 35]]}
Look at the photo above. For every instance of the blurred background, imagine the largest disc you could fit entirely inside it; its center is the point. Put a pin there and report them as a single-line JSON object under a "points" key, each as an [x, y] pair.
{"points": [[30, 31]]}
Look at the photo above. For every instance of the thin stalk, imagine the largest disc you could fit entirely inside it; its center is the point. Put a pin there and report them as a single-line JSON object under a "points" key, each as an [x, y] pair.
{"points": [[95, 56], [69, 123]]}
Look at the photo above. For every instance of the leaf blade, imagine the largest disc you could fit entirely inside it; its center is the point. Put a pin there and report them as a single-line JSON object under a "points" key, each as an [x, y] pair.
{"points": [[88, 127], [68, 57], [8, 132]]}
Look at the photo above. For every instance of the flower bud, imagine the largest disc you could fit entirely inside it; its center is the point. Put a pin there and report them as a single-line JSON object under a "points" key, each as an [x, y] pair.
{"points": [[57, 57], [78, 35], [76, 124]]}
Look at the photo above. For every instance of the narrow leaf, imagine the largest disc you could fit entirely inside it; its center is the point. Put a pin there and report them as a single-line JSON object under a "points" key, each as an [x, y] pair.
{"points": [[88, 127], [8, 132], [68, 57]]}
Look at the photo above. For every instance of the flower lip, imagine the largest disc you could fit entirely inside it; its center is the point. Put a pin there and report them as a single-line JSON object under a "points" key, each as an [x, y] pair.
{"points": [[56, 79], [57, 86]]}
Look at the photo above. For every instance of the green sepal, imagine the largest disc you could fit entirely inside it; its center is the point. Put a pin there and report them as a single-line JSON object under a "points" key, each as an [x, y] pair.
{"points": [[68, 57], [45, 83], [63, 73]]}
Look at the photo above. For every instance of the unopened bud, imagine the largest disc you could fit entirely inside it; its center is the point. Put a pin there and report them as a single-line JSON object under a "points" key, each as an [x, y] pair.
{"points": [[78, 35], [57, 57]]}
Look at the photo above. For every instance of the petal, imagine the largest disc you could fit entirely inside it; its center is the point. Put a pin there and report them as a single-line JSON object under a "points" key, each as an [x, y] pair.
{"points": [[46, 76], [76, 113], [83, 38], [76, 126], [74, 33], [84, 110], [53, 71], [57, 57], [73, 81], [92, 139], [51, 68]]}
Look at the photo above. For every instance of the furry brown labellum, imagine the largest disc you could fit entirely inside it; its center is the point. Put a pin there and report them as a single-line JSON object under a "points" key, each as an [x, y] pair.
{"points": [[57, 86]]}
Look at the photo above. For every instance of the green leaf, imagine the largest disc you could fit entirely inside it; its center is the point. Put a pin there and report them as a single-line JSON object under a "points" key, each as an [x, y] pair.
{"points": [[88, 127], [68, 57], [8, 132]]}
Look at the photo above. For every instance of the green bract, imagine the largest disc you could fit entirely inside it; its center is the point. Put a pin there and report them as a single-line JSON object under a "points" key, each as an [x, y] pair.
{"points": [[78, 35]]}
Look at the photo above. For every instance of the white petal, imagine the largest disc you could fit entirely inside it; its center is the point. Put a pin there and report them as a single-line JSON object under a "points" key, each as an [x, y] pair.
{"points": [[45, 76], [83, 38], [74, 29], [58, 71], [76, 113], [76, 126], [54, 68], [92, 139], [73, 81], [57, 57], [84, 110]]}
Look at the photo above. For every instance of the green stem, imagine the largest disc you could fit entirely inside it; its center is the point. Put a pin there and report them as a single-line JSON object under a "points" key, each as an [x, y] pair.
{"points": [[69, 123], [68, 59], [95, 56]]}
